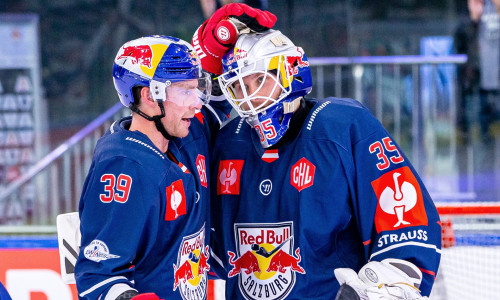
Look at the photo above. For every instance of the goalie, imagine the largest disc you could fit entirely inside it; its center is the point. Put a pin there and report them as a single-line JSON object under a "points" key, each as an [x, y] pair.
{"points": [[304, 186]]}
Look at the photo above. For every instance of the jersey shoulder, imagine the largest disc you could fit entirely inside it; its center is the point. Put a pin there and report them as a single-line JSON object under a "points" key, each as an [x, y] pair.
{"points": [[119, 143], [339, 118]]}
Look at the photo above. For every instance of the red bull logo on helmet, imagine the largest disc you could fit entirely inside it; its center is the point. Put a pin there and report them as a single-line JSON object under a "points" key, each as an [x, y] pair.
{"points": [[295, 62], [265, 260], [191, 269], [141, 55], [141, 59]]}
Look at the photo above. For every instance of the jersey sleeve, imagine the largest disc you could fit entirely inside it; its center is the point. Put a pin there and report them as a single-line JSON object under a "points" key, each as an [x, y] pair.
{"points": [[396, 215], [116, 221]]}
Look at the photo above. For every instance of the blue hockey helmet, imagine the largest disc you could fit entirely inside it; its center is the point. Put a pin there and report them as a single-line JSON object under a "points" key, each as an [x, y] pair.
{"points": [[273, 55], [157, 62]]}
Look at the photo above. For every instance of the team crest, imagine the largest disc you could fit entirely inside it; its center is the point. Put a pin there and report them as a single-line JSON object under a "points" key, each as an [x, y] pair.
{"points": [[191, 270], [266, 261], [400, 202]]}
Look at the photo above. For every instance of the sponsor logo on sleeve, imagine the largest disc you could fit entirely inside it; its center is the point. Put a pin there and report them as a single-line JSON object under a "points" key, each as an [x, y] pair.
{"points": [[400, 202], [176, 201], [97, 251], [228, 177]]}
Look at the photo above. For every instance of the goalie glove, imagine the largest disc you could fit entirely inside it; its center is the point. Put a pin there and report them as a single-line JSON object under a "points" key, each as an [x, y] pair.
{"points": [[390, 279], [219, 33]]}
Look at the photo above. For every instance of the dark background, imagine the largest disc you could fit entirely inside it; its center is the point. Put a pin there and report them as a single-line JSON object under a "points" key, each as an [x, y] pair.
{"points": [[80, 38]]}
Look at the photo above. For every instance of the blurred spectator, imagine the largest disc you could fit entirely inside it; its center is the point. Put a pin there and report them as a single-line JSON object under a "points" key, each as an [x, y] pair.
{"points": [[479, 38]]}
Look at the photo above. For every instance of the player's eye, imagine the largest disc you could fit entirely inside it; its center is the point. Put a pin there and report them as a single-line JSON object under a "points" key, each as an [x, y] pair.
{"points": [[260, 79]]}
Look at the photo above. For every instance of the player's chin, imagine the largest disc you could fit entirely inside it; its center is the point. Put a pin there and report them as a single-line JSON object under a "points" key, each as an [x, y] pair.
{"points": [[183, 130]]}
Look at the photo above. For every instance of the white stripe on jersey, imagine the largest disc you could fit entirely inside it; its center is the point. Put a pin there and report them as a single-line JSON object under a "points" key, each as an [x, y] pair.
{"points": [[403, 245], [101, 284]]}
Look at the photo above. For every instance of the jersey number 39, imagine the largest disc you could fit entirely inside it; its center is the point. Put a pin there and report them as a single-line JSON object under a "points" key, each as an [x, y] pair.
{"points": [[116, 189]]}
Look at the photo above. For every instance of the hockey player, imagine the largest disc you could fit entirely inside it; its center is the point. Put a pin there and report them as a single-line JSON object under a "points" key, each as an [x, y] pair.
{"points": [[145, 201], [308, 186]]}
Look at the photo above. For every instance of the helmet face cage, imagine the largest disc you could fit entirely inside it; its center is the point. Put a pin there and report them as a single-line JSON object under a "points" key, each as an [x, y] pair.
{"points": [[272, 55], [261, 53], [242, 102], [157, 62]]}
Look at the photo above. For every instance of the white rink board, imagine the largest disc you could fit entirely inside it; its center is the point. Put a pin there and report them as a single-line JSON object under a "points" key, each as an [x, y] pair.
{"points": [[466, 273], [469, 273]]}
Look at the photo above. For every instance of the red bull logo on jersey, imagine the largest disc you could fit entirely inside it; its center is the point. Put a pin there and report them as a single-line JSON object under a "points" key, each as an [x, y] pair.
{"points": [[228, 177], [191, 269], [265, 260], [302, 174], [400, 202]]}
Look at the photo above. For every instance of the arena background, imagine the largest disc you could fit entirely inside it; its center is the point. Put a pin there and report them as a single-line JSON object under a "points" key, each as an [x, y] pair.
{"points": [[374, 51]]}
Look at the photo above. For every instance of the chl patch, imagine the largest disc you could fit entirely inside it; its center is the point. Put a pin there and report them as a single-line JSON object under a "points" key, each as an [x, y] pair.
{"points": [[228, 177], [302, 174], [400, 202], [265, 261], [176, 201]]}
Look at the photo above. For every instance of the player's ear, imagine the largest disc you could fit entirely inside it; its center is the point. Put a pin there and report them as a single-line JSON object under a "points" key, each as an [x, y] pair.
{"points": [[146, 95]]}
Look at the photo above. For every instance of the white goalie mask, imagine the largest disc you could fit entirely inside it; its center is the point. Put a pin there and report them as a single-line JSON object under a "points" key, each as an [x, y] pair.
{"points": [[273, 57]]}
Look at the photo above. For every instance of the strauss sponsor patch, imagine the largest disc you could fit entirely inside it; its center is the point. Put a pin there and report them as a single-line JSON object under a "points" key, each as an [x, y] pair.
{"points": [[400, 202]]}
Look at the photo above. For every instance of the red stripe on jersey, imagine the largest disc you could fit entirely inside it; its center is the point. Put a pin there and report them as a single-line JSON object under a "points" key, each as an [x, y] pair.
{"points": [[428, 272], [199, 116], [367, 242]]}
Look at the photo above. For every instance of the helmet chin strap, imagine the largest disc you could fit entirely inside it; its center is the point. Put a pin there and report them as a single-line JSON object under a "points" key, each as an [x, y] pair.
{"points": [[156, 119]]}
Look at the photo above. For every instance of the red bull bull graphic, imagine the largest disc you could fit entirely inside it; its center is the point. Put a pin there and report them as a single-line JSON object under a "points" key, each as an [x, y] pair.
{"points": [[141, 55], [142, 59], [293, 63], [191, 270], [265, 262]]}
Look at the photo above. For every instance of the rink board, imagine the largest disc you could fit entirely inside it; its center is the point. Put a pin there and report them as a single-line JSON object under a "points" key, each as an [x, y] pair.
{"points": [[30, 269]]}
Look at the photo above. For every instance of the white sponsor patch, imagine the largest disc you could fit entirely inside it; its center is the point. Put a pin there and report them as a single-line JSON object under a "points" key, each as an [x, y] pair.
{"points": [[97, 250]]}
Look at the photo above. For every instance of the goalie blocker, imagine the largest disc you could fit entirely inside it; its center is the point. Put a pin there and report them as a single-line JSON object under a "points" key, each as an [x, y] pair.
{"points": [[390, 279]]}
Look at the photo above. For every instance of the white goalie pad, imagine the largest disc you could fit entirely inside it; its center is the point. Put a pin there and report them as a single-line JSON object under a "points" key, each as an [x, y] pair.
{"points": [[69, 240]]}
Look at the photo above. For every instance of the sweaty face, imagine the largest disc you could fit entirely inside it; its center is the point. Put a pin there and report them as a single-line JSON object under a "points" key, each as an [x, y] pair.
{"points": [[262, 88], [180, 106]]}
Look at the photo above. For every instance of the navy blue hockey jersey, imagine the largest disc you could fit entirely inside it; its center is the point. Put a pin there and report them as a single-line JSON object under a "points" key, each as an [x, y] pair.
{"points": [[145, 217], [338, 195]]}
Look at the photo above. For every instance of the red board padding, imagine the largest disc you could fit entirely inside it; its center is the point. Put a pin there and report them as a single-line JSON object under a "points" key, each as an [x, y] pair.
{"points": [[28, 269]]}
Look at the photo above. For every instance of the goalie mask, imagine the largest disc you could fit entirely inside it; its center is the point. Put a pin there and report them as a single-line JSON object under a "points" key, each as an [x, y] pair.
{"points": [[271, 57], [157, 62]]}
